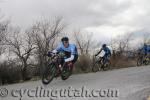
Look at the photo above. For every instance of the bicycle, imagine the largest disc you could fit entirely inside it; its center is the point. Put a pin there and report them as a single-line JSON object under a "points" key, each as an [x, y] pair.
{"points": [[53, 70], [143, 60], [98, 63]]}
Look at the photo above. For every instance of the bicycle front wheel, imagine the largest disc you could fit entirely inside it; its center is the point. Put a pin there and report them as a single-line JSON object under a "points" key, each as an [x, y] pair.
{"points": [[49, 74], [139, 61]]}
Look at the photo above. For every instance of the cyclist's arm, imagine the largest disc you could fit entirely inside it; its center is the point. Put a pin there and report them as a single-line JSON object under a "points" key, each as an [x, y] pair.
{"points": [[57, 49], [73, 52], [70, 58], [54, 51], [50, 53], [98, 52]]}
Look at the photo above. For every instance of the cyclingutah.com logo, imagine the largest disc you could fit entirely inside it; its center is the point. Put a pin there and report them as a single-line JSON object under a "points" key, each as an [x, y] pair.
{"points": [[3, 92], [69, 92]]}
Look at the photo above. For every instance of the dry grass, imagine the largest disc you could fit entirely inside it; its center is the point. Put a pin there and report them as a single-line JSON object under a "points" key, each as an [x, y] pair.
{"points": [[123, 63], [83, 64]]}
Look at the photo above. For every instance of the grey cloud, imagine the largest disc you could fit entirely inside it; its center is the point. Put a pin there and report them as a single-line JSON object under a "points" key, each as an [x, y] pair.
{"points": [[84, 13], [118, 15]]}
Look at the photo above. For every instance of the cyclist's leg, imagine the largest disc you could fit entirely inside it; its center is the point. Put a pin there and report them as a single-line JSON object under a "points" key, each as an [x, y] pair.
{"points": [[105, 59], [100, 59], [61, 64], [74, 61], [109, 57], [144, 58]]}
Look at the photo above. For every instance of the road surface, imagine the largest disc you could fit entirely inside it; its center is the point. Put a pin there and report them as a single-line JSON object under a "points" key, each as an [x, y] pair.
{"points": [[124, 84]]}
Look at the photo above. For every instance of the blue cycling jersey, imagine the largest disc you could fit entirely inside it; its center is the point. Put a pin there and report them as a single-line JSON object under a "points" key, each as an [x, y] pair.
{"points": [[107, 50], [146, 49], [71, 49]]}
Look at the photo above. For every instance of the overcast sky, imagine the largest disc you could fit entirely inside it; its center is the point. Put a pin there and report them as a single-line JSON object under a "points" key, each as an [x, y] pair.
{"points": [[103, 18]]}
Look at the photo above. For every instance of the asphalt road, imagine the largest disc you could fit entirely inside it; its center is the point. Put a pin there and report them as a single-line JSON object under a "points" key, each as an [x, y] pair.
{"points": [[122, 84]]}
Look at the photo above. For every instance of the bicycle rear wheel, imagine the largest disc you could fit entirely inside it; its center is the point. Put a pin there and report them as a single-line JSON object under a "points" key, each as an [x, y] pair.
{"points": [[106, 66], [146, 61]]}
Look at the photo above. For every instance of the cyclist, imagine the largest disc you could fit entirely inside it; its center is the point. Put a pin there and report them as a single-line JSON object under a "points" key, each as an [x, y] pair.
{"points": [[70, 51], [146, 50], [107, 53], [144, 55]]}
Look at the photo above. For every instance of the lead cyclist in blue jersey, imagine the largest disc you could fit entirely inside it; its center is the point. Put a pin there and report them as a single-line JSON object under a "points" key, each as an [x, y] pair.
{"points": [[70, 51]]}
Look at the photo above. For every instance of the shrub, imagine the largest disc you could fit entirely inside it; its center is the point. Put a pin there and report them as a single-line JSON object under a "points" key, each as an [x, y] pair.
{"points": [[9, 73], [83, 64]]}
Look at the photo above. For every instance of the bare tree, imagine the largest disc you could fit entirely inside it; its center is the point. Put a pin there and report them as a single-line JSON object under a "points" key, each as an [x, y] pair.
{"points": [[83, 42], [21, 45], [122, 42], [4, 23], [44, 34], [3, 32]]}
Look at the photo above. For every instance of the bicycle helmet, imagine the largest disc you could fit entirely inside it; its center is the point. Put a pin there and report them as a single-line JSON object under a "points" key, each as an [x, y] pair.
{"points": [[65, 39], [104, 45]]}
